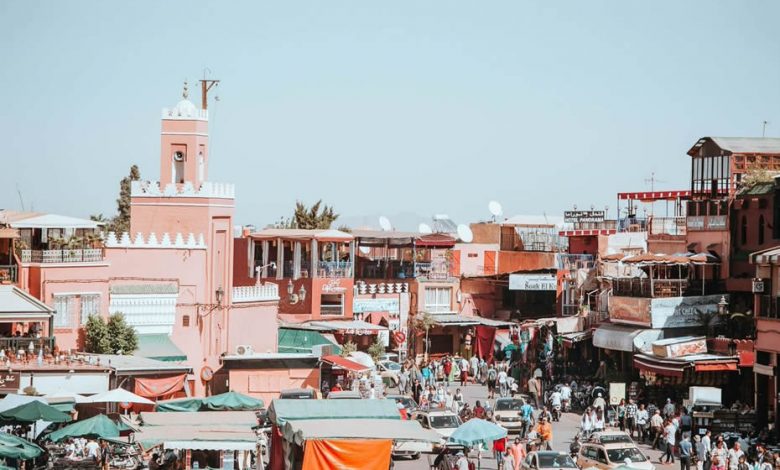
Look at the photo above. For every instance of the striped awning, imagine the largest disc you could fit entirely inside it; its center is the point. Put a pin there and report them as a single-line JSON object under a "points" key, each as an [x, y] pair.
{"points": [[770, 256], [677, 367]]}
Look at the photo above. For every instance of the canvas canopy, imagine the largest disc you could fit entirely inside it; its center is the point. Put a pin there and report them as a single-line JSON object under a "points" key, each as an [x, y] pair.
{"points": [[32, 412], [217, 437], [348, 453], [477, 431], [217, 418], [397, 430], [119, 395], [282, 410], [17, 448], [97, 427], [230, 401]]}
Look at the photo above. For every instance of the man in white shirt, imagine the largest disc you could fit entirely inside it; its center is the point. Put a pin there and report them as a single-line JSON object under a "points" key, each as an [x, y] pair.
{"points": [[93, 450], [669, 436], [641, 422], [734, 454], [502, 389], [462, 463], [565, 396]]}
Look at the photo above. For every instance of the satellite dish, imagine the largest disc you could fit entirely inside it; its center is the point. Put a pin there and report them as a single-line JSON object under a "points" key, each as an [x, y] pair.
{"points": [[424, 228], [365, 250], [465, 234], [384, 222], [495, 208]]}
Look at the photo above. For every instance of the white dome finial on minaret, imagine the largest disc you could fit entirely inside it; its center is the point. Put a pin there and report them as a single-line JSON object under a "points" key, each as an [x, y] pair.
{"points": [[185, 93]]}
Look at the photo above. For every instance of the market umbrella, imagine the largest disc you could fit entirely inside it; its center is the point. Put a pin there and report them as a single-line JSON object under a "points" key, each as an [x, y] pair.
{"points": [[119, 395], [96, 427], [34, 411], [66, 395], [362, 358], [17, 448], [232, 401], [477, 431]]}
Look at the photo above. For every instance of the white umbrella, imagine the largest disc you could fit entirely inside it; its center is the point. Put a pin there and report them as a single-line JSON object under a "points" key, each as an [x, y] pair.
{"points": [[362, 359], [119, 395]]}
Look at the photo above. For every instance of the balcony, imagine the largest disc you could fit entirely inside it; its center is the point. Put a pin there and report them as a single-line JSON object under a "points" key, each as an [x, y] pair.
{"points": [[668, 227], [341, 269], [8, 273], [13, 345], [267, 292], [660, 288], [87, 255]]}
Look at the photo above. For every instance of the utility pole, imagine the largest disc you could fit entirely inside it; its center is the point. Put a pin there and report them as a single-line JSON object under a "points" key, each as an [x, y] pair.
{"points": [[763, 130], [205, 86]]}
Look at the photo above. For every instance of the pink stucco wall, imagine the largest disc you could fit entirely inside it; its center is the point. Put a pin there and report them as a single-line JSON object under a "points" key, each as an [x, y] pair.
{"points": [[267, 383]]}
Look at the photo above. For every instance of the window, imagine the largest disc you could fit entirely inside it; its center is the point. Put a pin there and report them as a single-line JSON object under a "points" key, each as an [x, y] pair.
{"points": [[602, 456], [90, 305], [438, 299], [185, 320], [761, 225], [63, 306], [743, 231], [331, 304]]}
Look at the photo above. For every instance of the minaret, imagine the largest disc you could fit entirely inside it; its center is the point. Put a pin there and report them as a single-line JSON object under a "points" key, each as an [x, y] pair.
{"points": [[184, 144]]}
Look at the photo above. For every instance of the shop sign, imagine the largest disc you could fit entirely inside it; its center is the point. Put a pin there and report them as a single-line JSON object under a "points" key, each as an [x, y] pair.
{"points": [[583, 216], [684, 312], [716, 222], [695, 223], [9, 381], [333, 286], [534, 282], [391, 305]]}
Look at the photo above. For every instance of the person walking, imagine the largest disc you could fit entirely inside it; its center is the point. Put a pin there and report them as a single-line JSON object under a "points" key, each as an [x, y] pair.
{"points": [[657, 428], [492, 376], [502, 383], [720, 454], [598, 420], [474, 368], [586, 425], [631, 412], [526, 418], [499, 449], [621, 414], [535, 389], [642, 419], [446, 365], [464, 372], [518, 453], [670, 440], [706, 444], [686, 451], [463, 462], [669, 409], [734, 455]]}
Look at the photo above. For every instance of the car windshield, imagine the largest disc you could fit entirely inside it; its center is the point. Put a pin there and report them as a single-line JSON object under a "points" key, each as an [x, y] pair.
{"points": [[557, 461], [615, 438], [444, 421], [391, 366], [620, 455], [406, 402], [508, 405]]}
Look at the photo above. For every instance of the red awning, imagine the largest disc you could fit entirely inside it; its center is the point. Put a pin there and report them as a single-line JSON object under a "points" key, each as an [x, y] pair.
{"points": [[661, 368], [715, 366], [654, 195], [344, 363], [746, 358]]}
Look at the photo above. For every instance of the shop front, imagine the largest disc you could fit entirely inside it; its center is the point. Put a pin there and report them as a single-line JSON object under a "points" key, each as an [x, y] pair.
{"points": [[618, 343]]}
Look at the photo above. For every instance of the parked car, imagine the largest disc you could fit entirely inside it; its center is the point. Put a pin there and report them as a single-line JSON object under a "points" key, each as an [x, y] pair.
{"points": [[298, 394], [611, 437], [507, 413], [344, 395], [443, 422], [548, 460], [389, 371], [609, 456]]}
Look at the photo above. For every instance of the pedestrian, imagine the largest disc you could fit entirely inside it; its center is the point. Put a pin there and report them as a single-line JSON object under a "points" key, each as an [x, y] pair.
{"points": [[535, 389], [105, 456], [509, 461], [491, 375], [426, 374], [621, 414], [699, 453], [92, 450], [499, 449], [599, 402], [686, 451], [526, 418], [598, 421], [417, 391], [586, 425], [657, 428], [518, 453], [502, 388], [718, 463], [463, 462], [734, 455], [742, 464], [458, 398], [403, 381], [720, 453], [706, 444], [631, 412], [474, 368], [446, 365], [479, 410], [669, 440], [464, 372], [642, 418], [544, 430], [669, 409]]}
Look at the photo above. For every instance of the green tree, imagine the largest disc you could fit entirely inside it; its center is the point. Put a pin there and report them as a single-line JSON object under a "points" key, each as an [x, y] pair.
{"points": [[347, 348], [318, 216], [114, 337], [121, 222], [376, 350], [423, 321]]}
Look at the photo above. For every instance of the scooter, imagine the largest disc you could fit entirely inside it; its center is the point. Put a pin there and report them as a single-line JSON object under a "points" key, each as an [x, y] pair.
{"points": [[556, 412]]}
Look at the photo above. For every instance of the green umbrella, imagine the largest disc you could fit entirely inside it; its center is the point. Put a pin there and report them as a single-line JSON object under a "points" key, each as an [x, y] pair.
{"points": [[34, 411], [477, 431], [232, 401], [17, 448], [6, 467], [96, 426]]}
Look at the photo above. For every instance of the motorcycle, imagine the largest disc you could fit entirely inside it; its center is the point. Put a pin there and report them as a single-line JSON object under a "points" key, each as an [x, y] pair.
{"points": [[556, 412], [574, 448]]}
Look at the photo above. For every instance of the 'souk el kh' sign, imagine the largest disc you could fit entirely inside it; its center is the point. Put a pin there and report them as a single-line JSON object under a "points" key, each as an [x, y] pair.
{"points": [[9, 381], [544, 282], [583, 216]]}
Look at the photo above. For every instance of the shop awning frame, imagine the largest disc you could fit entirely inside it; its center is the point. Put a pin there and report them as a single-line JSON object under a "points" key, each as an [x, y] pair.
{"points": [[344, 363]]}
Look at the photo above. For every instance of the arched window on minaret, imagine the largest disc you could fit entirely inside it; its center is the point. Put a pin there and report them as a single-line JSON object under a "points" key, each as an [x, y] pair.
{"points": [[201, 167], [178, 167]]}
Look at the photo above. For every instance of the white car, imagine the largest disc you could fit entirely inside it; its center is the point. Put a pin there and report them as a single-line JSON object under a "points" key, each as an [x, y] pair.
{"points": [[507, 414], [609, 456], [443, 422]]}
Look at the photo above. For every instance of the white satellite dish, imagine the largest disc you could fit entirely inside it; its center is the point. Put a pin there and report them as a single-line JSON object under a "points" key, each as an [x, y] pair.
{"points": [[384, 222], [495, 208], [365, 250], [465, 234], [424, 228]]}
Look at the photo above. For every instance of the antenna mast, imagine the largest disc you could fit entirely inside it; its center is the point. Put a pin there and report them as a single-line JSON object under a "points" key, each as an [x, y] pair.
{"points": [[205, 86], [763, 131]]}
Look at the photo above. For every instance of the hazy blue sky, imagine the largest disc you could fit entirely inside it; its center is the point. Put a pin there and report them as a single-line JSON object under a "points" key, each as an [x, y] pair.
{"points": [[383, 107]]}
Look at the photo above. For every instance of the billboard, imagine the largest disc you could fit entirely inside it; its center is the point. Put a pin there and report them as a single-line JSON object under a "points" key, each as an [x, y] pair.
{"points": [[667, 312], [630, 311]]}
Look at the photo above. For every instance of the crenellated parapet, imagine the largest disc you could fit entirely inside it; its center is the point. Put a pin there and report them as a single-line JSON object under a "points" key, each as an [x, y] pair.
{"points": [[179, 241], [207, 189]]}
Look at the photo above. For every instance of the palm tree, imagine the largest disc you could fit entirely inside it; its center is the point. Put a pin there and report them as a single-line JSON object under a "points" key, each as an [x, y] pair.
{"points": [[311, 217], [424, 321]]}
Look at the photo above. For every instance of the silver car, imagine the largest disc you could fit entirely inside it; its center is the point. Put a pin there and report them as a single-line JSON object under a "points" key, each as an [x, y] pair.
{"points": [[507, 413]]}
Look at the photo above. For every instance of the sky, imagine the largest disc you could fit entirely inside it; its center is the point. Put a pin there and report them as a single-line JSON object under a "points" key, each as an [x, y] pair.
{"points": [[404, 109]]}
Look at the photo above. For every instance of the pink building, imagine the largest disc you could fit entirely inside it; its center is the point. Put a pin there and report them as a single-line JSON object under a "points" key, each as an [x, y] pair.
{"points": [[172, 276]]}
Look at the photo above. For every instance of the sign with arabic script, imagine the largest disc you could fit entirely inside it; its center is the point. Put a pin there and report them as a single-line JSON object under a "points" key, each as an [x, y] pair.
{"points": [[9, 381]]}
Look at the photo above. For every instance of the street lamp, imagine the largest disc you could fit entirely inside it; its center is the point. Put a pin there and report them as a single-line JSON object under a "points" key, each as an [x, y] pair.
{"points": [[723, 306]]}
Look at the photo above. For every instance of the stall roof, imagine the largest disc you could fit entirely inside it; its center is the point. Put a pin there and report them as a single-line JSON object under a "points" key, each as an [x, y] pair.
{"points": [[625, 338], [397, 430], [760, 145], [675, 367], [53, 221], [198, 418], [124, 365], [159, 347], [338, 325], [282, 410], [222, 437], [767, 256], [302, 234], [453, 319], [293, 340], [15, 302], [344, 363], [380, 237]]}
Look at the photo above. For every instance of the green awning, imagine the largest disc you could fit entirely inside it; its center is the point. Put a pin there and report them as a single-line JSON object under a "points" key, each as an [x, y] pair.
{"points": [[301, 341], [17, 448], [95, 427], [32, 412], [159, 347], [65, 407], [230, 401], [282, 410]]}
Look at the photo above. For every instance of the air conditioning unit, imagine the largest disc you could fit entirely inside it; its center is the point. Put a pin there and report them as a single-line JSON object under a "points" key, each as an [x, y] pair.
{"points": [[244, 350]]}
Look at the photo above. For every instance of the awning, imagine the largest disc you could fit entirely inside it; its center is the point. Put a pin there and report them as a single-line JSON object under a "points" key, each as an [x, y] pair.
{"points": [[715, 366], [453, 319], [200, 419], [8, 232], [397, 430], [660, 367], [282, 410], [344, 363], [54, 221], [676, 367], [20, 306], [159, 347], [625, 338], [767, 256], [216, 437], [502, 338], [345, 326], [301, 341], [570, 339]]}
